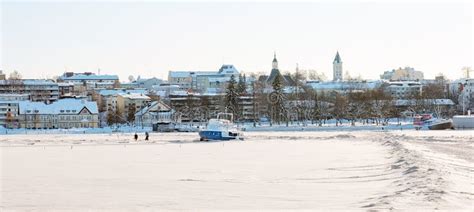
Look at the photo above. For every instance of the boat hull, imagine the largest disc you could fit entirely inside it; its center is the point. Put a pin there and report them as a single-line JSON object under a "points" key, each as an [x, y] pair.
{"points": [[207, 135], [441, 126]]}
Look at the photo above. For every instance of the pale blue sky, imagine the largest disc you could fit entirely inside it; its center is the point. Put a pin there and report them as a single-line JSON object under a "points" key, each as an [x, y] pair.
{"points": [[151, 38]]}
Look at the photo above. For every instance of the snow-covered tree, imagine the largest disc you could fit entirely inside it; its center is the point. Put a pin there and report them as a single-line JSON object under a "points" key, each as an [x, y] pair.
{"points": [[231, 96], [241, 85]]}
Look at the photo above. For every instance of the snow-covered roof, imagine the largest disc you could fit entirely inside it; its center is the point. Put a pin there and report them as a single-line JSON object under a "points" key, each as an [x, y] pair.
{"points": [[123, 91], [342, 85], [228, 69], [62, 106], [91, 77], [156, 106], [134, 96], [404, 83], [64, 84], [39, 82], [180, 73], [178, 92], [408, 102]]}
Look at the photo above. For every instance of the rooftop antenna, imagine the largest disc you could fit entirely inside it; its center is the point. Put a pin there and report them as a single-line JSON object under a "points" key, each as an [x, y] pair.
{"points": [[98, 71]]}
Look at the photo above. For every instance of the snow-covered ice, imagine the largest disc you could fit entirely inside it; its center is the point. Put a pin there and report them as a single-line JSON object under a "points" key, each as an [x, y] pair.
{"points": [[364, 170]]}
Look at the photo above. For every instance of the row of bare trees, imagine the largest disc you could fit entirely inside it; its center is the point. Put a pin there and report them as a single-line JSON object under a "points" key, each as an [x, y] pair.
{"points": [[364, 106]]}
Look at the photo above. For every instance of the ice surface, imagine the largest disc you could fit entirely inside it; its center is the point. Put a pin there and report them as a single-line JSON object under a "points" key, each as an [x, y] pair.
{"points": [[364, 170]]}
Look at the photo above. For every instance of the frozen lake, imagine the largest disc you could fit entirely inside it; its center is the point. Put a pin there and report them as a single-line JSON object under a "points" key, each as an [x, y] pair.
{"points": [[269, 170]]}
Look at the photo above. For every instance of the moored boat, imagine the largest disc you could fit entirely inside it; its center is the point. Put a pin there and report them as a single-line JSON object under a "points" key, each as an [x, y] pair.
{"points": [[423, 120], [222, 128]]}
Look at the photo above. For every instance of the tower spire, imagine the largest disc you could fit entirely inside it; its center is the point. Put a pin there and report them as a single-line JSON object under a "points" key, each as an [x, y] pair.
{"points": [[337, 59], [275, 61]]}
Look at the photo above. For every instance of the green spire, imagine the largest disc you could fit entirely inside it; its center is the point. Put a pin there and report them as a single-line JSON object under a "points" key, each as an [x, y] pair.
{"points": [[337, 59]]}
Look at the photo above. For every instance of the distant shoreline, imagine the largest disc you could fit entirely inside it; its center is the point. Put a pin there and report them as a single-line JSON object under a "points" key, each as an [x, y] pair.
{"points": [[246, 128]]}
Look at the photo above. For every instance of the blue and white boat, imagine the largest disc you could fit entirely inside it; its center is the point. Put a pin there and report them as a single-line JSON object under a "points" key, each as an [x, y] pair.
{"points": [[221, 129]]}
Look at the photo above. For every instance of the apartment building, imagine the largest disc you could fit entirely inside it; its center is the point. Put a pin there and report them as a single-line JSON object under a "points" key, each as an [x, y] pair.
{"points": [[404, 89], [9, 114], [38, 90], [202, 81], [89, 81], [131, 102]]}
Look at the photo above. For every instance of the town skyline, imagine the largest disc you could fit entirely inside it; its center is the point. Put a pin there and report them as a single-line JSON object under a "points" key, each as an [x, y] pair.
{"points": [[150, 39]]}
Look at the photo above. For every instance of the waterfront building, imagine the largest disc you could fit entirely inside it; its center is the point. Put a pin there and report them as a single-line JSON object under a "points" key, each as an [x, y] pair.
{"points": [[64, 113]]}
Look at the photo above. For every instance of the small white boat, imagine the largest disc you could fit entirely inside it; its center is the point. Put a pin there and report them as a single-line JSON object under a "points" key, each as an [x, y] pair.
{"points": [[221, 128]]}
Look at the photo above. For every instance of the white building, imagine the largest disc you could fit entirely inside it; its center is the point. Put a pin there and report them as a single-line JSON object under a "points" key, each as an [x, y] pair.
{"points": [[402, 74], [337, 68], [201, 81], [404, 89], [64, 113]]}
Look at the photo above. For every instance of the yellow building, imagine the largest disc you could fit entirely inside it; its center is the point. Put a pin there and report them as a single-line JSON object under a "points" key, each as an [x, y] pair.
{"points": [[130, 103]]}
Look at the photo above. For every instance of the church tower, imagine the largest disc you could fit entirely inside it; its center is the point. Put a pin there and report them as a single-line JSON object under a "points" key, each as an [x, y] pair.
{"points": [[275, 61], [274, 71], [337, 68]]}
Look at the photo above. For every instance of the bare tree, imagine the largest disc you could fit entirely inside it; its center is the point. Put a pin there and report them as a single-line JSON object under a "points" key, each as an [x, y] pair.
{"points": [[315, 75], [341, 107]]}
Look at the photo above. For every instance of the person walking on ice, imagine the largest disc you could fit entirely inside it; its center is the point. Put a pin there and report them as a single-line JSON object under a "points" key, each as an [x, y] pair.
{"points": [[135, 136], [146, 136]]}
